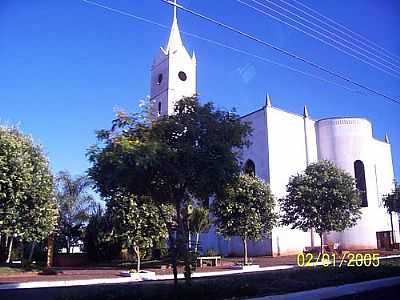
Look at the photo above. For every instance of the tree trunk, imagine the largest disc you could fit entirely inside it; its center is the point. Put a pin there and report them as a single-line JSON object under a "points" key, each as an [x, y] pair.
{"points": [[174, 256], [197, 242], [172, 246], [391, 223], [31, 252], [137, 252], [322, 246], [22, 245], [312, 237], [10, 249], [245, 252], [50, 250], [186, 253], [68, 250]]}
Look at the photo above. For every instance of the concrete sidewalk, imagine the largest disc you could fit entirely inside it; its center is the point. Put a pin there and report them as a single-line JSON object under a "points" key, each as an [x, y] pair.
{"points": [[84, 282]]}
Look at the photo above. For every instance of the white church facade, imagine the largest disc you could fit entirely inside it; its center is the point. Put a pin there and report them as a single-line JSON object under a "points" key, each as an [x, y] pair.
{"points": [[282, 145]]}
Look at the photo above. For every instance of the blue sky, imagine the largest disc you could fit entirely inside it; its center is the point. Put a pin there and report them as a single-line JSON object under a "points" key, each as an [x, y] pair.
{"points": [[66, 65]]}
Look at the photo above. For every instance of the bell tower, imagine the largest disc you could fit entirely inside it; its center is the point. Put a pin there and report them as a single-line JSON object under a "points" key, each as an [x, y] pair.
{"points": [[173, 74]]}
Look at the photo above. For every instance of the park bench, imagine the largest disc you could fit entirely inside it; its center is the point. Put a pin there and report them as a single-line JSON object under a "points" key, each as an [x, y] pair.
{"points": [[212, 259]]}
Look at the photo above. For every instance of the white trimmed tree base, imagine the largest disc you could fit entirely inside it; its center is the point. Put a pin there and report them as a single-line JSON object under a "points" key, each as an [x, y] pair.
{"points": [[135, 276], [247, 268], [147, 275]]}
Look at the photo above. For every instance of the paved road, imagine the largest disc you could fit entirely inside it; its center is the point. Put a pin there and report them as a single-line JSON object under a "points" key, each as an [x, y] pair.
{"points": [[389, 293]]}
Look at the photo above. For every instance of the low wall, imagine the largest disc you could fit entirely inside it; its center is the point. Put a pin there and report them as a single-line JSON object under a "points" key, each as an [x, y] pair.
{"points": [[70, 260]]}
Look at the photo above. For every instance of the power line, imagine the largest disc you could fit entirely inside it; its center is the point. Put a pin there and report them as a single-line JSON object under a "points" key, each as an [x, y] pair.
{"points": [[264, 59], [335, 28], [394, 100], [392, 56], [269, 61], [121, 12], [394, 72], [283, 51], [326, 30]]}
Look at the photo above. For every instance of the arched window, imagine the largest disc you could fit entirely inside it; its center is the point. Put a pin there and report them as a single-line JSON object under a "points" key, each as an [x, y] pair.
{"points": [[359, 174], [159, 108], [250, 168]]}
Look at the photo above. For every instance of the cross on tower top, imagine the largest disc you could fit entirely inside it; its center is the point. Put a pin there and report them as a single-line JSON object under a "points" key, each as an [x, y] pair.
{"points": [[174, 9]]}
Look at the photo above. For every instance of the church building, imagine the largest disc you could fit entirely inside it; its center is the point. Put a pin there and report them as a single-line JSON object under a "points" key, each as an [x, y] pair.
{"points": [[282, 145]]}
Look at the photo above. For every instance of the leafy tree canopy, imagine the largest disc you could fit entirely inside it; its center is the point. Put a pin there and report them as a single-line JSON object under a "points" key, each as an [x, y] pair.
{"points": [[245, 209], [100, 244], [188, 154], [392, 200], [27, 205], [392, 205], [137, 222], [324, 197]]}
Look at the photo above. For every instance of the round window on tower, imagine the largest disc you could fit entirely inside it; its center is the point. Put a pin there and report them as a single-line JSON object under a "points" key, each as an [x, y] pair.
{"points": [[182, 76], [159, 78]]}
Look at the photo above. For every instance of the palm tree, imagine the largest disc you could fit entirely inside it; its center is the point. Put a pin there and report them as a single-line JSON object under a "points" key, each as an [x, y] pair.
{"points": [[199, 222], [75, 204]]}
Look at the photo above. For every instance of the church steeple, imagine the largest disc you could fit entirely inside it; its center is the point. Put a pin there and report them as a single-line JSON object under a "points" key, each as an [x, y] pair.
{"points": [[305, 112], [173, 75], [175, 39]]}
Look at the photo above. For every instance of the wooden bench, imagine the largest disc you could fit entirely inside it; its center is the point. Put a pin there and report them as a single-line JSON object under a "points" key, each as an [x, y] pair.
{"points": [[213, 259]]}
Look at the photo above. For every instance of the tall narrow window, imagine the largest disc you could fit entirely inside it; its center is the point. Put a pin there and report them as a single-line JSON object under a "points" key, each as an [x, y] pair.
{"points": [[159, 108], [359, 174], [249, 168]]}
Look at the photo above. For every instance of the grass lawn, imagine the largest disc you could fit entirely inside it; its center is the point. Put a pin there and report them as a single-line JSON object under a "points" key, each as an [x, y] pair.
{"points": [[12, 268], [243, 285]]}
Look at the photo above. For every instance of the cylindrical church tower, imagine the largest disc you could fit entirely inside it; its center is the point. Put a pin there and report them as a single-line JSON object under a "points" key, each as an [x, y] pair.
{"points": [[348, 142]]}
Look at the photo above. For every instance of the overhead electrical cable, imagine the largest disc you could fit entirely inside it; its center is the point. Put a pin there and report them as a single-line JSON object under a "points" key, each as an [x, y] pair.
{"points": [[393, 72], [361, 39], [264, 59], [392, 99], [283, 51], [369, 53]]}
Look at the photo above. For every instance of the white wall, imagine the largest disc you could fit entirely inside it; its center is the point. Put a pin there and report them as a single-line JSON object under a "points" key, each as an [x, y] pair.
{"points": [[279, 151], [258, 150], [343, 141], [288, 156]]}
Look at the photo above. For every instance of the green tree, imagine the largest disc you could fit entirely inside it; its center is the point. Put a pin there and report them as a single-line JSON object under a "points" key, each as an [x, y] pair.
{"points": [[245, 209], [323, 198], [75, 205], [392, 204], [27, 206], [172, 160], [99, 242], [199, 222], [137, 223]]}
